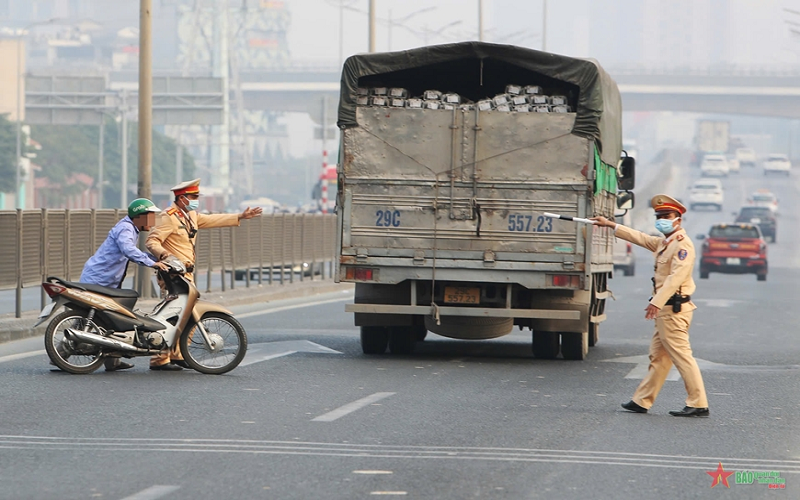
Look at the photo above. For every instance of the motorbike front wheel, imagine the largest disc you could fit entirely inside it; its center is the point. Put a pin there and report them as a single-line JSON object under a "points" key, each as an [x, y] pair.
{"points": [[228, 337], [72, 357]]}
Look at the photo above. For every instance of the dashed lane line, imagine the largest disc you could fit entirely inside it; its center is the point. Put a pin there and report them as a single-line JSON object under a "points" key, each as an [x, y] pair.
{"points": [[351, 407], [22, 355], [153, 492]]}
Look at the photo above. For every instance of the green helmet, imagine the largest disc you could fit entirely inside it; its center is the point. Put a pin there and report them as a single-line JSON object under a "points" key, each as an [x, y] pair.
{"points": [[141, 206]]}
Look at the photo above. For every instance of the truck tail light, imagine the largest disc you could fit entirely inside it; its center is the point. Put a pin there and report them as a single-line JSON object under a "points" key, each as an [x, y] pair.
{"points": [[360, 273], [53, 290], [565, 280]]}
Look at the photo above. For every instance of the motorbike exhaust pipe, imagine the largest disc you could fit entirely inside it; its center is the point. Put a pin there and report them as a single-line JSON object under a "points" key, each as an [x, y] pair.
{"points": [[95, 339]]}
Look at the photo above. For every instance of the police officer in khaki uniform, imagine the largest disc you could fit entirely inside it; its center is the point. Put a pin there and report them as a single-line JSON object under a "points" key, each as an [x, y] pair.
{"points": [[670, 306], [175, 235]]}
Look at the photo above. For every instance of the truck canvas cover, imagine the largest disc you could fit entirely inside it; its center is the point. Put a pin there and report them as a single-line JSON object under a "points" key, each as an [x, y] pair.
{"points": [[477, 70]]}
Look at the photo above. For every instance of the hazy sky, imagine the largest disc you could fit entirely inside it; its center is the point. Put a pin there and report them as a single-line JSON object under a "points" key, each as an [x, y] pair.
{"points": [[751, 31]]}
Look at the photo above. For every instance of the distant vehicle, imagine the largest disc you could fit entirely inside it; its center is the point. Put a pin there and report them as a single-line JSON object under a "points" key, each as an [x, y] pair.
{"points": [[733, 249], [712, 136], [764, 198], [763, 218], [706, 192], [714, 165], [733, 164], [777, 164], [746, 157], [624, 257]]}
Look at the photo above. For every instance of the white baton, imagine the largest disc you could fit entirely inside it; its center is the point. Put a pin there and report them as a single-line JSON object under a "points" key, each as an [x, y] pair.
{"points": [[567, 217]]}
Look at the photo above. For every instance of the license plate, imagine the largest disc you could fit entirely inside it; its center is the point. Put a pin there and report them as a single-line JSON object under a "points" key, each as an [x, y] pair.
{"points": [[755, 221], [462, 295], [733, 261], [47, 310]]}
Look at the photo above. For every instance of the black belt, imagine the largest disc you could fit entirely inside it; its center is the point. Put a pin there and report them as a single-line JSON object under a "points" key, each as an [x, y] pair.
{"points": [[682, 299]]}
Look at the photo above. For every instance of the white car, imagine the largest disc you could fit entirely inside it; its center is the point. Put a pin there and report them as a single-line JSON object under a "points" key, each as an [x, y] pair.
{"points": [[764, 198], [714, 165], [706, 193], [733, 164], [777, 164], [746, 157]]}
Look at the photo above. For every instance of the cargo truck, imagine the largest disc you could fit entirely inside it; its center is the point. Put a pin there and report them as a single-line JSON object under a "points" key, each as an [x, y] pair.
{"points": [[450, 156]]}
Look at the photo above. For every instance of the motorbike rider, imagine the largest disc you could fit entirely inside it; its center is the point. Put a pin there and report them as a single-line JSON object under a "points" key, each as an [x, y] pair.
{"points": [[109, 264], [175, 235]]}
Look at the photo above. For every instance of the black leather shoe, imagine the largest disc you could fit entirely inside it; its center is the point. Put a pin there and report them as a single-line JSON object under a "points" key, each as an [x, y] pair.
{"points": [[169, 367], [114, 365], [180, 363], [688, 411], [631, 406]]}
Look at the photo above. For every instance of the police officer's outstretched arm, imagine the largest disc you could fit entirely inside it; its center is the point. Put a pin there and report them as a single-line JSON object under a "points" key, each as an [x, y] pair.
{"points": [[636, 237]]}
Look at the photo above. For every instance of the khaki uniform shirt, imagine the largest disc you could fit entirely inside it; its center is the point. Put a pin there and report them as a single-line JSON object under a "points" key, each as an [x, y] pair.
{"points": [[171, 235], [674, 263]]}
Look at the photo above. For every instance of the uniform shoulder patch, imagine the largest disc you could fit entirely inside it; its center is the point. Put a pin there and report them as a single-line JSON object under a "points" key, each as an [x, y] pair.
{"points": [[682, 253], [172, 211], [679, 237]]}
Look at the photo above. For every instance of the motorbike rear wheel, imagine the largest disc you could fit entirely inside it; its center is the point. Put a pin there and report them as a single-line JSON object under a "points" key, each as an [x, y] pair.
{"points": [[229, 349], [69, 356]]}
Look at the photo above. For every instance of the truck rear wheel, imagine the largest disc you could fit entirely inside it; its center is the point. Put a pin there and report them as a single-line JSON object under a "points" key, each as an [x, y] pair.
{"points": [[594, 333], [545, 345], [374, 339], [402, 339], [575, 346]]}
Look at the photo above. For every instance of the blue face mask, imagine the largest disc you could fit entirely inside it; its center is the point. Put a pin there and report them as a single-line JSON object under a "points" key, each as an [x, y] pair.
{"points": [[665, 225], [193, 205]]}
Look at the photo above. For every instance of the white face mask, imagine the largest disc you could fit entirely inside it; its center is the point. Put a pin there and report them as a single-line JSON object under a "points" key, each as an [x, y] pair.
{"points": [[193, 205]]}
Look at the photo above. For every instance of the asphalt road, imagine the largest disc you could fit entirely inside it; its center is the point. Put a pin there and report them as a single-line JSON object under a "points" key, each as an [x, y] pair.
{"points": [[309, 416]]}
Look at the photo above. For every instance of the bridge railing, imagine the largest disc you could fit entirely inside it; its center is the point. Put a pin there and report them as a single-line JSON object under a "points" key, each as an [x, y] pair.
{"points": [[278, 248]]}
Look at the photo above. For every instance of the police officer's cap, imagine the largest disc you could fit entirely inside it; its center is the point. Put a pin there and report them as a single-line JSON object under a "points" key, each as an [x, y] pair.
{"points": [[188, 187], [662, 203]]}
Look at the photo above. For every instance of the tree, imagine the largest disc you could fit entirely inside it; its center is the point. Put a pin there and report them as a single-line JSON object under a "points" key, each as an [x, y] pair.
{"points": [[69, 149], [8, 155]]}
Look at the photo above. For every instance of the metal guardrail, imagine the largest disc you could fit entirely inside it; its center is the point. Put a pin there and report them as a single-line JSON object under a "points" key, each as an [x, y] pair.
{"points": [[35, 244]]}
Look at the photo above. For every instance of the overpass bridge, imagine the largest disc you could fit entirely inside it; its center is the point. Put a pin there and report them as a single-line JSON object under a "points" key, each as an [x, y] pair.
{"points": [[748, 91]]}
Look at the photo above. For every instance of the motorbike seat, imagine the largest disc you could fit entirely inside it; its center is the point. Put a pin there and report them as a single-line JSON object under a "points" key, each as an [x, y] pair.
{"points": [[120, 293]]}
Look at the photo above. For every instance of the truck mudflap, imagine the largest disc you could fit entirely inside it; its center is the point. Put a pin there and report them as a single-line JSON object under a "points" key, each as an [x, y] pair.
{"points": [[486, 312]]}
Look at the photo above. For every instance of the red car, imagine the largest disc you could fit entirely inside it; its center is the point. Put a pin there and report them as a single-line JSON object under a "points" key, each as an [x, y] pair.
{"points": [[734, 249]]}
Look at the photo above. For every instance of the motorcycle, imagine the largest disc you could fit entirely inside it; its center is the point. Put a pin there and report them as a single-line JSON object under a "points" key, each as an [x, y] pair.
{"points": [[99, 322]]}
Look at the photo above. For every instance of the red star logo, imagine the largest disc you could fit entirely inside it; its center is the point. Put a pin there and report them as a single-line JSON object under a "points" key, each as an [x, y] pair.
{"points": [[720, 475]]}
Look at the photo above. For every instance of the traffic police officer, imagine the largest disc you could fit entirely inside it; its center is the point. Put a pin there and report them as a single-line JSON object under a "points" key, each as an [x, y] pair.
{"points": [[175, 235], [670, 306]]}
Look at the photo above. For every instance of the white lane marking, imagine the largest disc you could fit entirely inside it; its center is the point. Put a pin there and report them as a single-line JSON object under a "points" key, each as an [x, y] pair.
{"points": [[642, 364], [351, 407], [152, 493], [719, 302], [22, 355], [290, 307], [398, 493], [265, 351], [372, 472], [361, 451]]}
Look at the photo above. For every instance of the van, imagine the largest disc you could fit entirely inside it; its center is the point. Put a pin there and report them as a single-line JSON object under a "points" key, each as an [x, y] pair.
{"points": [[624, 257]]}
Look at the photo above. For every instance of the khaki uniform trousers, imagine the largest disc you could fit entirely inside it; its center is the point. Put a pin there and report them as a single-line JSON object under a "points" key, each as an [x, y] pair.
{"points": [[175, 353], [670, 344]]}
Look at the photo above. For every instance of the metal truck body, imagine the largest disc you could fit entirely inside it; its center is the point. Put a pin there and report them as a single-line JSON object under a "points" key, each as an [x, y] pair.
{"points": [[442, 225]]}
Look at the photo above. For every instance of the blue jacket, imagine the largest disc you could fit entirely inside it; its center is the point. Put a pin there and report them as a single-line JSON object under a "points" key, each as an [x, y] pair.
{"points": [[107, 266]]}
